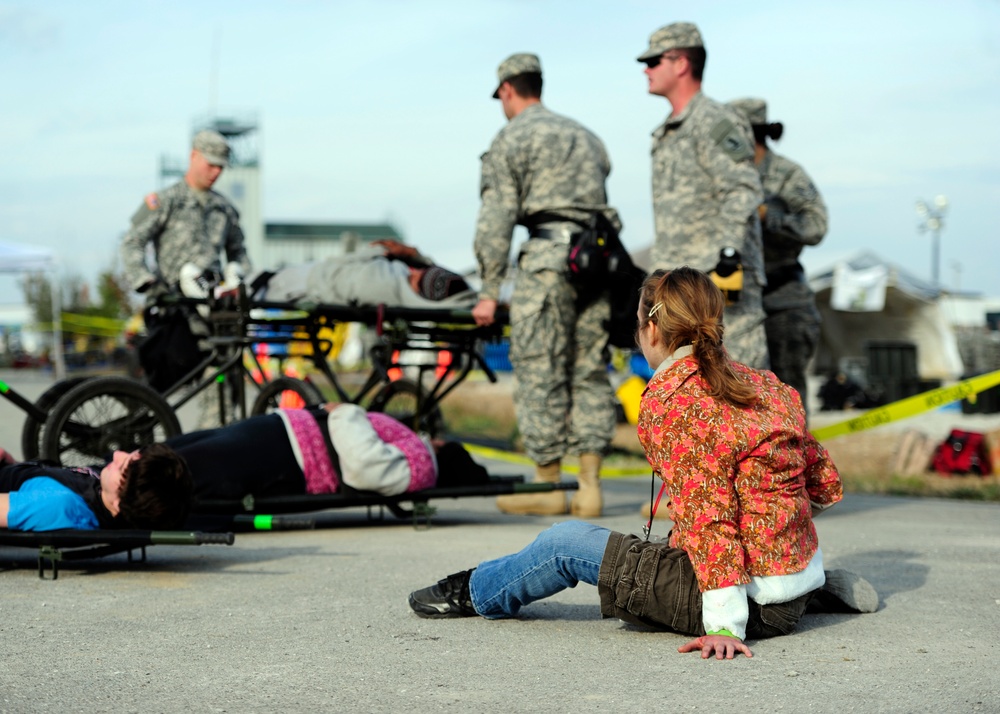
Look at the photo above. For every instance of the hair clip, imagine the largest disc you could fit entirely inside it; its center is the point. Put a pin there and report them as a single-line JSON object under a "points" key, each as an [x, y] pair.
{"points": [[656, 307]]}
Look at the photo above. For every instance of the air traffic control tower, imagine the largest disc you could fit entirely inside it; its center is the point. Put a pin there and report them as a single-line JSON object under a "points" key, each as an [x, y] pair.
{"points": [[240, 182]]}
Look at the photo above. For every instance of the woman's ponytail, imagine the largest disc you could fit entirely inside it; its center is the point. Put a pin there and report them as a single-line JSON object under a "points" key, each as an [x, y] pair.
{"points": [[687, 308]]}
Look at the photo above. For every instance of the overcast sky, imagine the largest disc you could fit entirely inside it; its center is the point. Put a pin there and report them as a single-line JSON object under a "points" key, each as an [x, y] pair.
{"points": [[380, 110]]}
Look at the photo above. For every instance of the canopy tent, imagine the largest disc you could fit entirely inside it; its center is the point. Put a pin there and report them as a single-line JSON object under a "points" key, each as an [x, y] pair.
{"points": [[865, 298], [20, 258]]}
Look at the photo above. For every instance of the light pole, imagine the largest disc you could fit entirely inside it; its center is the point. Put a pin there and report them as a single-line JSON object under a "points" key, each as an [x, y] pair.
{"points": [[932, 219]]}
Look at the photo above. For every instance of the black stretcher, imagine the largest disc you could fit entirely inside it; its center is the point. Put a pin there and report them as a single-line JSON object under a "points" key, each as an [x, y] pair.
{"points": [[70, 544], [420, 512]]}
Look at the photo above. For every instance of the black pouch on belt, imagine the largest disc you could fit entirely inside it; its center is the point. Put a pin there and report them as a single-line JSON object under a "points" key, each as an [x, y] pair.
{"points": [[587, 261], [728, 274]]}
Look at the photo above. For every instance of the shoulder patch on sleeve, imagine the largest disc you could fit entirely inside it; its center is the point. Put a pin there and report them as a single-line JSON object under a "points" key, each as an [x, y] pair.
{"points": [[152, 201], [806, 191], [728, 136]]}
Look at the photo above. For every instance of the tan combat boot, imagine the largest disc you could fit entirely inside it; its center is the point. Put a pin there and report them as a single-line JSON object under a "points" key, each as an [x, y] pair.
{"points": [[661, 512], [547, 503], [587, 501]]}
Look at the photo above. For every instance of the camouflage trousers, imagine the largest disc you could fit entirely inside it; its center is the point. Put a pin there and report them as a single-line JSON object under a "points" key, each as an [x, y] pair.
{"points": [[562, 395], [792, 336], [745, 338]]}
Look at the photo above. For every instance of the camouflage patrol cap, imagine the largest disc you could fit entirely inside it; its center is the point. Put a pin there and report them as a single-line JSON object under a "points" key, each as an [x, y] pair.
{"points": [[679, 34], [755, 110], [212, 145], [520, 63]]}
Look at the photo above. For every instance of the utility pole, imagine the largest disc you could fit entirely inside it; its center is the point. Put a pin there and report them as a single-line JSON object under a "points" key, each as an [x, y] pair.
{"points": [[932, 219]]}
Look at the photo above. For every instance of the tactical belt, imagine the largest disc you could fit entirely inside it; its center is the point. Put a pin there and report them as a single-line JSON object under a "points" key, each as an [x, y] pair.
{"points": [[562, 235]]}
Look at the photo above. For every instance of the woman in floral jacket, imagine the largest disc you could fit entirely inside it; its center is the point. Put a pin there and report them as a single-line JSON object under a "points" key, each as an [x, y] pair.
{"points": [[742, 478]]}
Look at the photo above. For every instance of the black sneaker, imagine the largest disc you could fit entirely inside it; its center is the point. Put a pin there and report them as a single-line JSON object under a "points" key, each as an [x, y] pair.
{"points": [[449, 598], [844, 591]]}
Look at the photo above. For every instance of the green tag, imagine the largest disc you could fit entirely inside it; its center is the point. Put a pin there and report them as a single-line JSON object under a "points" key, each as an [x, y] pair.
{"points": [[262, 523]]}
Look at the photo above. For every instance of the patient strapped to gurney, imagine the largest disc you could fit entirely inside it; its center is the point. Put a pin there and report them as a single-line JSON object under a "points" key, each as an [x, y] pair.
{"points": [[382, 273]]}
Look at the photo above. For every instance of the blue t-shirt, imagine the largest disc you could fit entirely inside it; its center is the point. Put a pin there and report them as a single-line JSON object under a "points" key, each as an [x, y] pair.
{"points": [[44, 504]]}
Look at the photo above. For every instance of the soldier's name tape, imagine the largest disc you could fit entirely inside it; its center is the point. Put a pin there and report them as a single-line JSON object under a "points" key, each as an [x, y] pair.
{"points": [[902, 409]]}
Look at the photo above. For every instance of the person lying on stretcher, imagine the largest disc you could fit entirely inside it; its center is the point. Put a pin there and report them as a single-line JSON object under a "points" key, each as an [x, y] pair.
{"points": [[148, 489], [332, 448], [382, 273]]}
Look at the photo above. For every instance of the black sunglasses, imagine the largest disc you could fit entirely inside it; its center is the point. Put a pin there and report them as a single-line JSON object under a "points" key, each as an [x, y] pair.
{"points": [[655, 61]]}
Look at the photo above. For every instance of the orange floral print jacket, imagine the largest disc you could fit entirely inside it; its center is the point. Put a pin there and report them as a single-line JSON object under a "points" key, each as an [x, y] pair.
{"points": [[739, 481]]}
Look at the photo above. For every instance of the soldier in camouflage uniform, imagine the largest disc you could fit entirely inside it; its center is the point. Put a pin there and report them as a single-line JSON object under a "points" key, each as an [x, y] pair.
{"points": [[547, 172], [188, 224], [705, 188], [793, 215]]}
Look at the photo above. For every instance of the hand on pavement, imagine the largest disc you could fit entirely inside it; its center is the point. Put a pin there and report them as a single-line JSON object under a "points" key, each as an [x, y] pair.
{"points": [[723, 646]]}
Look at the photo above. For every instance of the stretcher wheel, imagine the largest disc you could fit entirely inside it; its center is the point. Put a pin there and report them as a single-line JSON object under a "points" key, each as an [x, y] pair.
{"points": [[31, 432], [287, 393], [102, 415], [401, 401]]}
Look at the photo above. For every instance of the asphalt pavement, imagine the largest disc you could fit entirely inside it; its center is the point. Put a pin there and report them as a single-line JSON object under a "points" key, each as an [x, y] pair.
{"points": [[303, 621]]}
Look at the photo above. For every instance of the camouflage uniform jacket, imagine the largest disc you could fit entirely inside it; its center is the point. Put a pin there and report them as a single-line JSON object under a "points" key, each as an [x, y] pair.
{"points": [[184, 226], [706, 189], [539, 163], [796, 215]]}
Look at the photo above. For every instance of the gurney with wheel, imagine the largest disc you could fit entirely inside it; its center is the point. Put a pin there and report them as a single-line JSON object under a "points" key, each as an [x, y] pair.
{"points": [[79, 421], [402, 334]]}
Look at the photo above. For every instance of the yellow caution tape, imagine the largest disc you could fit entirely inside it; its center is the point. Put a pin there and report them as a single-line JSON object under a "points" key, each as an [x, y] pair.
{"points": [[903, 409], [911, 406], [97, 321], [512, 458]]}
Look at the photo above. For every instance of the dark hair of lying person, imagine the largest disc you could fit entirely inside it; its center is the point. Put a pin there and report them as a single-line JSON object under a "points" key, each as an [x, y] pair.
{"points": [[157, 492]]}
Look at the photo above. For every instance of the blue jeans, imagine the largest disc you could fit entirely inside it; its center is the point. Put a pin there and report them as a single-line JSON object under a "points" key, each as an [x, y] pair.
{"points": [[559, 558]]}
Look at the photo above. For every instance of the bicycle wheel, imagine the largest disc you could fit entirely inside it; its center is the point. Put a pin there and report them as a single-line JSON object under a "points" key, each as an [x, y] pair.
{"points": [[401, 401], [31, 432], [287, 393], [103, 415]]}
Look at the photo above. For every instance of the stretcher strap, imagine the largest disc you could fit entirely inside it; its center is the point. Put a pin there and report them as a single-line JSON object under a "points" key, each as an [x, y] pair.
{"points": [[317, 468], [422, 471]]}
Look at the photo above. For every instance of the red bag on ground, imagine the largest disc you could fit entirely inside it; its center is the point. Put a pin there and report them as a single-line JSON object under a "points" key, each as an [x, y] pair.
{"points": [[963, 452]]}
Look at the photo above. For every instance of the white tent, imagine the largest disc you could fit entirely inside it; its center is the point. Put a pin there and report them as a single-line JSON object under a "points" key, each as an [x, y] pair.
{"points": [[19, 258], [866, 298]]}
